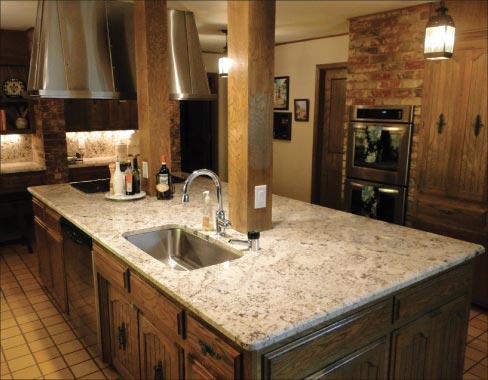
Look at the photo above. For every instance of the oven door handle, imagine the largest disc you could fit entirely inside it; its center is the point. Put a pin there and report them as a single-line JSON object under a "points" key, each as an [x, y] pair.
{"points": [[387, 191]]}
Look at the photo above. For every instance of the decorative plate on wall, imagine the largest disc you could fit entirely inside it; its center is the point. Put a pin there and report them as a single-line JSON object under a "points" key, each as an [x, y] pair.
{"points": [[13, 88]]}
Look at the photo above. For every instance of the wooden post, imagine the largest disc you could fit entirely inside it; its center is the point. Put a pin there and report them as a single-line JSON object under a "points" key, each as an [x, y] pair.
{"points": [[151, 40], [251, 26]]}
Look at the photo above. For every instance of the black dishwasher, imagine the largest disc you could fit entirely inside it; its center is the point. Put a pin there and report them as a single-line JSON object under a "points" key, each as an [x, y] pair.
{"points": [[80, 287]]}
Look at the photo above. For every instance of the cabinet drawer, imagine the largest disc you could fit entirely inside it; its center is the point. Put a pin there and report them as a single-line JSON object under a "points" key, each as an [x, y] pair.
{"points": [[110, 268], [51, 219], [157, 308], [210, 350], [449, 212], [432, 293], [321, 348], [38, 208]]}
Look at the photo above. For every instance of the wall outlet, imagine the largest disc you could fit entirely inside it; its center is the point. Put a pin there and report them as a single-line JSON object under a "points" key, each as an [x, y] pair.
{"points": [[145, 170], [260, 196]]}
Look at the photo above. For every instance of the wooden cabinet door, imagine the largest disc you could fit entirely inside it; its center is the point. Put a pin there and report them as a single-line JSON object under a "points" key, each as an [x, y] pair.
{"points": [[432, 346], [470, 165], [196, 370], [160, 355], [97, 114], [55, 248], [123, 334], [74, 115], [43, 253], [122, 114], [440, 104], [368, 363]]}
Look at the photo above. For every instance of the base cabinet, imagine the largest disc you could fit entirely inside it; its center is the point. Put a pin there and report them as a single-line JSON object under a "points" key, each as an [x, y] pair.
{"points": [[160, 356], [123, 334], [416, 333], [433, 343], [49, 247]]}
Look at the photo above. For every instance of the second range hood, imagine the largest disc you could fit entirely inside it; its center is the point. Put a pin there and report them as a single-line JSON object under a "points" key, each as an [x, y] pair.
{"points": [[85, 50]]}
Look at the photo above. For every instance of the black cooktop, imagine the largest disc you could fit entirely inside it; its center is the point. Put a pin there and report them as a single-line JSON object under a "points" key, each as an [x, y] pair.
{"points": [[94, 186]]}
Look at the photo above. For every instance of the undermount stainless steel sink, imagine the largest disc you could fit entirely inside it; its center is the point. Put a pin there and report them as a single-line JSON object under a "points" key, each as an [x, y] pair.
{"points": [[180, 249]]}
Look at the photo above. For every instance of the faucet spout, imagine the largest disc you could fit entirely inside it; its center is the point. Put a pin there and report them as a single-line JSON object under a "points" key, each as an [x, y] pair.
{"points": [[220, 221]]}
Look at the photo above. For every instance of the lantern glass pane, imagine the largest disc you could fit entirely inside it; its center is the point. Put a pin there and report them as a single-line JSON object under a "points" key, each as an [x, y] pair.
{"points": [[224, 64]]}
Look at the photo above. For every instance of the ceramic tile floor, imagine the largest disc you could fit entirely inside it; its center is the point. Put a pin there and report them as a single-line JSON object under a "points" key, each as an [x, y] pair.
{"points": [[38, 343], [36, 340]]}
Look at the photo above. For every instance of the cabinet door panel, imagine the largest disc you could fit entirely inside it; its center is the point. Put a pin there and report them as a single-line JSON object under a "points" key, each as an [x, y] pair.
{"points": [[471, 163], [432, 346], [123, 335], [43, 253], [159, 354], [440, 97], [55, 244], [197, 371], [365, 364]]}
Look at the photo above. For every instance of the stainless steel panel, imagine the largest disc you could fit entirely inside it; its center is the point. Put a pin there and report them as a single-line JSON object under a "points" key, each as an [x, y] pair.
{"points": [[188, 79], [71, 51]]}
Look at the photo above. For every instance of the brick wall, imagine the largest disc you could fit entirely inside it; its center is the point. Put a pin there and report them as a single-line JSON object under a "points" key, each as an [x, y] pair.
{"points": [[386, 67], [174, 125], [49, 114]]}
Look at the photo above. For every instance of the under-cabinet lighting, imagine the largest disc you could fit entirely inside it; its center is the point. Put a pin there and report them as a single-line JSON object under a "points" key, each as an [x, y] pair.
{"points": [[10, 138], [439, 35]]}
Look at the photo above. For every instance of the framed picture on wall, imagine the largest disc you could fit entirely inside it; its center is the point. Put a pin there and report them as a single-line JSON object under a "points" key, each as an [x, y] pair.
{"points": [[282, 126], [281, 93], [301, 109]]}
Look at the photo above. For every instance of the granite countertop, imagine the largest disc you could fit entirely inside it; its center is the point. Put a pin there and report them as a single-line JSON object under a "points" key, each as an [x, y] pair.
{"points": [[314, 264], [21, 167]]}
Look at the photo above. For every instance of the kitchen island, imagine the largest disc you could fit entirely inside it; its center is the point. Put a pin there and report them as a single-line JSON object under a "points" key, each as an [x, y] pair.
{"points": [[325, 289]]}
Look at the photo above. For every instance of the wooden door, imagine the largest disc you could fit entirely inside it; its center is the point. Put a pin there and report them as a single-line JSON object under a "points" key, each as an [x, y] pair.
{"points": [[432, 346], [55, 248], [159, 353], [366, 364], [329, 136], [470, 165], [123, 334], [441, 102], [43, 253]]}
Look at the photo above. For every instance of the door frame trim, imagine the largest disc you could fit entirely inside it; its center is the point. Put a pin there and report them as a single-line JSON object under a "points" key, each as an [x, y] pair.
{"points": [[317, 119]]}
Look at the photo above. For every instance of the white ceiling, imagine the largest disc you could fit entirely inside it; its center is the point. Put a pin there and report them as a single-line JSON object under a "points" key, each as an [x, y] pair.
{"points": [[295, 20]]}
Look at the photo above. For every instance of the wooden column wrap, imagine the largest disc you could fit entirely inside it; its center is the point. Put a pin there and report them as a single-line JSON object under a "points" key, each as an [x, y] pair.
{"points": [[151, 40], [251, 26]]}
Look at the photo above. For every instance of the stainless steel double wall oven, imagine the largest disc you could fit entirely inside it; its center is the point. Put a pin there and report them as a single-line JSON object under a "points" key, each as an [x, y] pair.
{"points": [[378, 156]]}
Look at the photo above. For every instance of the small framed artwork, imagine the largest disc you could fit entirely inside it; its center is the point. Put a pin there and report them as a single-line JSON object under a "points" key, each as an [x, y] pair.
{"points": [[281, 93], [301, 109], [282, 126]]}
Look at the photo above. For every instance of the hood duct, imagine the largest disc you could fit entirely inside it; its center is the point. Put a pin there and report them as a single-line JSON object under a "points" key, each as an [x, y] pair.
{"points": [[85, 50]]}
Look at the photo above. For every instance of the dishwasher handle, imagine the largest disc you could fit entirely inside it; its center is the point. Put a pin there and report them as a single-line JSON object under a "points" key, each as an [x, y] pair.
{"points": [[75, 234]]}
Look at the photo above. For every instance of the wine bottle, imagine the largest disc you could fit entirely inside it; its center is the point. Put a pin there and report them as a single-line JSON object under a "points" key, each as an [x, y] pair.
{"points": [[163, 181], [136, 177], [128, 180]]}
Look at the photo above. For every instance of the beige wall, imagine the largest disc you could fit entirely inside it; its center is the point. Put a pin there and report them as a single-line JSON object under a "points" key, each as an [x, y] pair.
{"points": [[292, 160]]}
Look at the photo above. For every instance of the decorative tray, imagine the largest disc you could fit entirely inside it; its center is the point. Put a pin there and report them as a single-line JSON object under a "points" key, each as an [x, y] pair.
{"points": [[114, 197]]}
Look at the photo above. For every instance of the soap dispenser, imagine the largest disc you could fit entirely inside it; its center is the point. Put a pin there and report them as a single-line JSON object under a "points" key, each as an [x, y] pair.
{"points": [[207, 212]]}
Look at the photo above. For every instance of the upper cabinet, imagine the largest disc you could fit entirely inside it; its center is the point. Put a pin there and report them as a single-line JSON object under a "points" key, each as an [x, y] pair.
{"points": [[455, 117], [15, 111], [100, 114]]}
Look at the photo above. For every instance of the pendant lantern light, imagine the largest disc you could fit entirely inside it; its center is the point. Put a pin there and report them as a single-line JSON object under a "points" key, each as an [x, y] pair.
{"points": [[224, 61], [439, 35]]}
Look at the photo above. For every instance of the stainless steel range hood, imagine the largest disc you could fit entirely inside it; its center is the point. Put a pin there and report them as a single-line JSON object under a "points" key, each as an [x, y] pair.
{"points": [[85, 49]]}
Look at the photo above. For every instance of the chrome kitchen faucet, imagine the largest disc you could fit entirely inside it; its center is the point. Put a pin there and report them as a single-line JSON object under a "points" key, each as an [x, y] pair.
{"points": [[220, 221]]}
